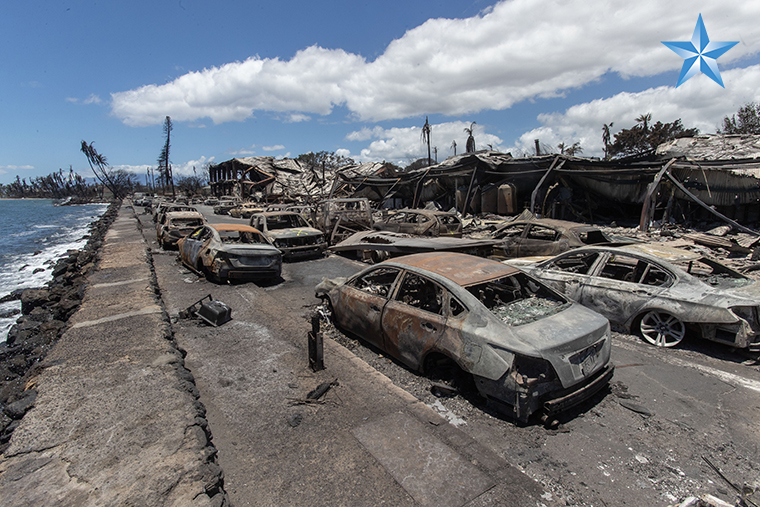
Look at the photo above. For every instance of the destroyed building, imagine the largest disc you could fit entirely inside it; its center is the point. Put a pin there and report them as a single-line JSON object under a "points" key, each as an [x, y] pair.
{"points": [[689, 179], [285, 180]]}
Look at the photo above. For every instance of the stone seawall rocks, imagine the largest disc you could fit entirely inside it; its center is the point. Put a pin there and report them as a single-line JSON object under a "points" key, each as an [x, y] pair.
{"points": [[112, 415], [44, 312]]}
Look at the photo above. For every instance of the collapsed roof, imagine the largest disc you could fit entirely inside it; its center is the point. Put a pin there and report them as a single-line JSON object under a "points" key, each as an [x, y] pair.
{"points": [[283, 179]]}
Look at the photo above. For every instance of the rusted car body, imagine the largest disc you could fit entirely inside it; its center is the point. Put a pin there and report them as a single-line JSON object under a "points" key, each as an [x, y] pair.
{"points": [[165, 208], [225, 204], [339, 218], [226, 252], [658, 292], [527, 347], [289, 232], [421, 222], [176, 225], [544, 236], [385, 244], [245, 210]]}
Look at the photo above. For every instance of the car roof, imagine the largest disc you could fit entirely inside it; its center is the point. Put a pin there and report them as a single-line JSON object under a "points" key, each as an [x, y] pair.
{"points": [[650, 251], [234, 227], [277, 213], [462, 269], [184, 214]]}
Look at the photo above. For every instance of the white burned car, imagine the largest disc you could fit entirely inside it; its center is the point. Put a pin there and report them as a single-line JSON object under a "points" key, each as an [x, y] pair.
{"points": [[528, 348], [658, 292]]}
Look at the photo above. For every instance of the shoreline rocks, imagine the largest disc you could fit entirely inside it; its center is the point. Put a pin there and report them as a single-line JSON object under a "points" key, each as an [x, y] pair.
{"points": [[44, 313]]}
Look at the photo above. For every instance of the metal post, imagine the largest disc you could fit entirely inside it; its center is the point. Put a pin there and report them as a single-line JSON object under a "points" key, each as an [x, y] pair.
{"points": [[316, 351]]}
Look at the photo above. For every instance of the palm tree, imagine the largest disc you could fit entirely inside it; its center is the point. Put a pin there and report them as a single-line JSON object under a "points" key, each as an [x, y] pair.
{"points": [[454, 145], [470, 147], [426, 130], [606, 139]]}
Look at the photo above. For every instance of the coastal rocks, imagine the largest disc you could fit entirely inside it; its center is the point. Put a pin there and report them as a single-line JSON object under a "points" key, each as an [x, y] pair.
{"points": [[45, 311]]}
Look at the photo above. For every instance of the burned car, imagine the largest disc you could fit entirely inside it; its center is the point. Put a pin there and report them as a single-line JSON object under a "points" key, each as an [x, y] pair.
{"points": [[289, 232], [226, 252], [245, 210], [177, 225], [225, 204], [544, 236], [658, 292], [421, 222], [339, 218], [528, 348], [165, 208]]}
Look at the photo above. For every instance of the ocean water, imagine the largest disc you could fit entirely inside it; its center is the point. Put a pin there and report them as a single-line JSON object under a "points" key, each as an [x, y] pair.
{"points": [[36, 234]]}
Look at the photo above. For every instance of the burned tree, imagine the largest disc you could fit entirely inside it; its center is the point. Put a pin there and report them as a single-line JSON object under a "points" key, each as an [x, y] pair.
{"points": [[164, 165], [99, 165]]}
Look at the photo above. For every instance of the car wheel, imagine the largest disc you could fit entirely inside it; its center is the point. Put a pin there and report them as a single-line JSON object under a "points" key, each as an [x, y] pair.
{"points": [[662, 329]]}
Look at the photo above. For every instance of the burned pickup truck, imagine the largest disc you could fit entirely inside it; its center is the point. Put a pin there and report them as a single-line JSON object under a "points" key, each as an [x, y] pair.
{"points": [[527, 348]]}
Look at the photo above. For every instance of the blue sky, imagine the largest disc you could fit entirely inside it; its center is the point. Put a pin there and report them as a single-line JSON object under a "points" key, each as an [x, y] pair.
{"points": [[242, 78]]}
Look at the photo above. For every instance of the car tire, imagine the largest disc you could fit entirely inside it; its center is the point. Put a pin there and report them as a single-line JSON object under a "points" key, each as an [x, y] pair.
{"points": [[661, 329]]}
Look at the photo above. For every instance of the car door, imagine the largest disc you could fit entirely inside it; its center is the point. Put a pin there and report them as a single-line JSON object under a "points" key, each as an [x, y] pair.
{"points": [[569, 273], [414, 319], [193, 244], [511, 238], [359, 304], [622, 284], [542, 240]]}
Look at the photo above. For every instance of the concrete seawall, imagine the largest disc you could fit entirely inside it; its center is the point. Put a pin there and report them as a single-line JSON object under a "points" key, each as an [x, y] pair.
{"points": [[116, 420]]}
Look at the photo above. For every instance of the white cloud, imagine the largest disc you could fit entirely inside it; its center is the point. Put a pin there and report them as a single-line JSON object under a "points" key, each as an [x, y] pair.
{"points": [[297, 118], [180, 169], [276, 147], [695, 102], [403, 145], [92, 99], [517, 50], [134, 169], [186, 168], [16, 167]]}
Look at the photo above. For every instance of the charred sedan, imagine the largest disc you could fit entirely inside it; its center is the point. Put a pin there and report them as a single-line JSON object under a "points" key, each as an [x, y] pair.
{"points": [[225, 252], [544, 236], [528, 348], [658, 292]]}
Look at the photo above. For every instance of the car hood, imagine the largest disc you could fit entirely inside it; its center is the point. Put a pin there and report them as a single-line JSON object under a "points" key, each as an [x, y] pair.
{"points": [[293, 233]]}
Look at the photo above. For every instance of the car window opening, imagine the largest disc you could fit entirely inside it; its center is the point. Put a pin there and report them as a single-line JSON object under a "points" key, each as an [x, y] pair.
{"points": [[517, 299], [377, 282], [421, 293], [239, 237], [716, 274]]}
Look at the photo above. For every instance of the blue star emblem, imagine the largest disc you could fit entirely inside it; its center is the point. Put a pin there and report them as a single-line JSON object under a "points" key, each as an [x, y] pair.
{"points": [[700, 54]]}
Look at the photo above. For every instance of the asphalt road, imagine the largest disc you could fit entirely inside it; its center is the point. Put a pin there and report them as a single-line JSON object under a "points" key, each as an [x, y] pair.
{"points": [[646, 441]]}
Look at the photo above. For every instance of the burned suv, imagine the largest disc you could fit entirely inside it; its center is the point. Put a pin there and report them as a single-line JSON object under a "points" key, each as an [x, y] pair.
{"points": [[289, 232]]}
